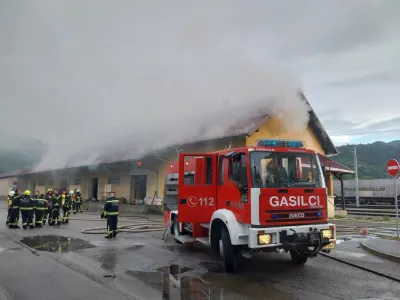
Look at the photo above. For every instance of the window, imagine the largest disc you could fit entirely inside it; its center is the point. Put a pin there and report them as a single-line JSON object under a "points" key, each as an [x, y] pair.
{"points": [[77, 181], [237, 172], [41, 182], [285, 169], [63, 184], [221, 169], [114, 180], [198, 170], [51, 182]]}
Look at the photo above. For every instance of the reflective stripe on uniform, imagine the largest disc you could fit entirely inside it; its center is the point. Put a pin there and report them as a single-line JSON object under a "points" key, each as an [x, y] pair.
{"points": [[26, 208]]}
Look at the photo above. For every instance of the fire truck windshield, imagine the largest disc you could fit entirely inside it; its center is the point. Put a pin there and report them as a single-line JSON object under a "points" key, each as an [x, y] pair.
{"points": [[285, 169]]}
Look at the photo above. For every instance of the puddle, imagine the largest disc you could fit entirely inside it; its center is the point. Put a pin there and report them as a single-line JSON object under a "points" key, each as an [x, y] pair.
{"points": [[176, 282], [54, 243], [213, 267], [175, 269], [180, 282]]}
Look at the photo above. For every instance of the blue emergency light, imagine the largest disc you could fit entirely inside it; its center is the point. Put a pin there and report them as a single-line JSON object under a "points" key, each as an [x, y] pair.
{"points": [[319, 214], [280, 143]]}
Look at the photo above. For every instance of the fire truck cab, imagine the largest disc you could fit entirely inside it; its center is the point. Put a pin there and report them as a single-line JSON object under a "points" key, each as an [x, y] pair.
{"points": [[268, 197]]}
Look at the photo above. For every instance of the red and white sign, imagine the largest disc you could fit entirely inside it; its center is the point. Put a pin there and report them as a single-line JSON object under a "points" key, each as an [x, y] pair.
{"points": [[393, 167], [294, 201]]}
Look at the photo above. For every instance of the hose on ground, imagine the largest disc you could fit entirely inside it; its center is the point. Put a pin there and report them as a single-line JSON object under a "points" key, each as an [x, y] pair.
{"points": [[133, 227]]}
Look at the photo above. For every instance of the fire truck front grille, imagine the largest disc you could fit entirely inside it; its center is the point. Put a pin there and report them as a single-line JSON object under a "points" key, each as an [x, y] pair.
{"points": [[294, 215]]}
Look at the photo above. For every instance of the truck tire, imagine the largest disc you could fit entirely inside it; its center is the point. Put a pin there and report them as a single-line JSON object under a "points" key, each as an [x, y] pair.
{"points": [[227, 251], [297, 258]]}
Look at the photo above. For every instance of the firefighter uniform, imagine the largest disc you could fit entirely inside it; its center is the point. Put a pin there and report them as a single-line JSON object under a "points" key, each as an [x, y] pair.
{"points": [[55, 210], [78, 201], [67, 207], [47, 212], [111, 214], [14, 217], [27, 205], [9, 205], [40, 208]]}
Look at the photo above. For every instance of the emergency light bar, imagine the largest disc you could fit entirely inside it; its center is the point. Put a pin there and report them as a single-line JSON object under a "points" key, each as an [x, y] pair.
{"points": [[281, 143]]}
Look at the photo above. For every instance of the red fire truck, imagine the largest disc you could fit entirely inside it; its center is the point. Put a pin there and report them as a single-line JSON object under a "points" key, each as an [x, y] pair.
{"points": [[268, 197]]}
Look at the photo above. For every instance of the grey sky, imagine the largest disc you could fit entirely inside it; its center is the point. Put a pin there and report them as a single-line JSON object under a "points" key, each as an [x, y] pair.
{"points": [[97, 72]]}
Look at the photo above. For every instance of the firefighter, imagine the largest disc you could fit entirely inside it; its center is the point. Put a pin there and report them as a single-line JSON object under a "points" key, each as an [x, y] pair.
{"points": [[9, 204], [78, 201], [74, 202], [14, 218], [40, 209], [27, 205], [111, 214], [47, 212], [67, 207], [55, 209]]}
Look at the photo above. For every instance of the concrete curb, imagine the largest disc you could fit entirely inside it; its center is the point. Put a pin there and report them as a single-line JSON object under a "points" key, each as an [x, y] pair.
{"points": [[379, 253], [13, 238]]}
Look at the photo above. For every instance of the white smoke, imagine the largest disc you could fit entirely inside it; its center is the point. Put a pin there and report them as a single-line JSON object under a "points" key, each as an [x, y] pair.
{"points": [[98, 81]]}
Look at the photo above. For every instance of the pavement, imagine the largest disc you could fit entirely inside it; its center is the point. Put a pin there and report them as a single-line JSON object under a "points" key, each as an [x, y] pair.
{"points": [[389, 249], [64, 263]]}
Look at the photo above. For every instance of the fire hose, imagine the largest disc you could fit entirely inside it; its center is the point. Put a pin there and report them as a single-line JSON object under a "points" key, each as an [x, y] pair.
{"points": [[132, 227]]}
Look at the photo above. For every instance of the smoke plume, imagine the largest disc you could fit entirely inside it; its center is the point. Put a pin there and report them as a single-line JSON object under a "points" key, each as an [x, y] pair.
{"points": [[94, 80]]}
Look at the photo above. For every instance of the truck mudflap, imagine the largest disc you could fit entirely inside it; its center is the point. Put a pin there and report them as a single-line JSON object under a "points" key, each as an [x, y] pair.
{"points": [[309, 243]]}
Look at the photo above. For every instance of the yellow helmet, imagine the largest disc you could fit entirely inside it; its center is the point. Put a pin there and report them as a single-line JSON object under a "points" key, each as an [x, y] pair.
{"points": [[49, 190], [27, 193]]}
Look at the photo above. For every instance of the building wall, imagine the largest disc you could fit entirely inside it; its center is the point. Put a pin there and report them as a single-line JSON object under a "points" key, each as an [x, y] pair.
{"points": [[274, 129], [155, 168], [6, 185]]}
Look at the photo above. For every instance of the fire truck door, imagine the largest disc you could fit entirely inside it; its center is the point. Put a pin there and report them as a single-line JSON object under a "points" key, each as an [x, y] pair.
{"points": [[197, 188]]}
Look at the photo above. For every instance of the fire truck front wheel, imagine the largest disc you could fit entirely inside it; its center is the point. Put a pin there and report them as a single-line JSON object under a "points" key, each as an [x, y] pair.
{"points": [[298, 258], [227, 251]]}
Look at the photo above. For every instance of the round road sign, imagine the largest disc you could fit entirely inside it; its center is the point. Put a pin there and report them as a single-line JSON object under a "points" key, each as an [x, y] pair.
{"points": [[392, 167]]}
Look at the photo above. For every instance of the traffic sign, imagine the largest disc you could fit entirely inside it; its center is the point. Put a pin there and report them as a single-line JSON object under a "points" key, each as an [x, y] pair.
{"points": [[393, 167]]}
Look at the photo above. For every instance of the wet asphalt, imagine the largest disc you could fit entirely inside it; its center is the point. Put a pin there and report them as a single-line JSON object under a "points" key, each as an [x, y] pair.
{"points": [[72, 265]]}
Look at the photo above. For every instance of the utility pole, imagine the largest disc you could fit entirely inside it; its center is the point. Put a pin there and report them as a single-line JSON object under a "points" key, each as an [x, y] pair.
{"points": [[356, 175]]}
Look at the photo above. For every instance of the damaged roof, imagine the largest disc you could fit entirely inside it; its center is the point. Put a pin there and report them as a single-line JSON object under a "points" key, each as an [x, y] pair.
{"points": [[236, 129]]}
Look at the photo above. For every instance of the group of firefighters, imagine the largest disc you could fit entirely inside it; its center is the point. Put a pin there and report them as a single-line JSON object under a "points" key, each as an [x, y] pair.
{"points": [[36, 210]]}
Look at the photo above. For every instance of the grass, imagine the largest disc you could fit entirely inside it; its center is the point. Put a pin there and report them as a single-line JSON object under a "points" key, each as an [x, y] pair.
{"points": [[388, 237], [339, 216]]}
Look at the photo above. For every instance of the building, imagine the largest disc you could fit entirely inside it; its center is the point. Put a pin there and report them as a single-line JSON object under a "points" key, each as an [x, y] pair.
{"points": [[143, 179]]}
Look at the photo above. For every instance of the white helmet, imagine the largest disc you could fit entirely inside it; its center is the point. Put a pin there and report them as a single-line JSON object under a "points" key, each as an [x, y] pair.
{"points": [[11, 193], [78, 191], [71, 192]]}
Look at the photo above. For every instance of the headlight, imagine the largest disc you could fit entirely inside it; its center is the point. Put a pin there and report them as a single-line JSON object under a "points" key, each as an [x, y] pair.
{"points": [[264, 239], [327, 233]]}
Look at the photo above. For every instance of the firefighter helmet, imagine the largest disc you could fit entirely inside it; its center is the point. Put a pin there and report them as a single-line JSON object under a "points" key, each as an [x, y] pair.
{"points": [[78, 191], [27, 193], [11, 193], [49, 190], [71, 192]]}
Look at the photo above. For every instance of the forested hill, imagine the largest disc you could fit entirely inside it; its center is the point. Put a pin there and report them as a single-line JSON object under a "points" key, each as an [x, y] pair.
{"points": [[20, 154], [372, 158]]}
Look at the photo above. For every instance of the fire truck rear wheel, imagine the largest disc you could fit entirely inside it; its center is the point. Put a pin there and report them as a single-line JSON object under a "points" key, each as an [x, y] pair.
{"points": [[298, 258], [227, 251]]}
